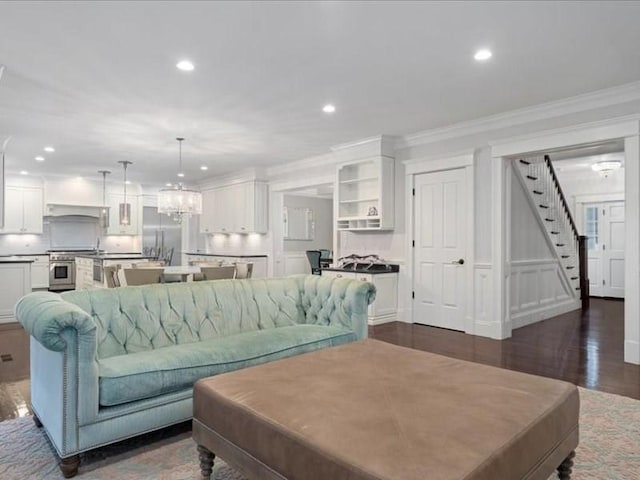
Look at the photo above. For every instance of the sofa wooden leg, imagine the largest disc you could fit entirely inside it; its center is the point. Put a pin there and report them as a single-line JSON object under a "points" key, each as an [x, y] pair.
{"points": [[69, 466], [37, 421], [564, 470], [206, 462]]}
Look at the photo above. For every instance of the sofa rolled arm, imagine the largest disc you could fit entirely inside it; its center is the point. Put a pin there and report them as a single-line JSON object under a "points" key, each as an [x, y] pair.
{"points": [[45, 315], [337, 301]]}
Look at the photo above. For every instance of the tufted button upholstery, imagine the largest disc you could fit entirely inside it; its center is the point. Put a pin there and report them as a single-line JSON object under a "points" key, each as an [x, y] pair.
{"points": [[141, 318]]}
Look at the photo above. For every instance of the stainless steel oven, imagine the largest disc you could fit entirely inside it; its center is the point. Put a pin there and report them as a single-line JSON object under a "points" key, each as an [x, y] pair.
{"points": [[62, 274], [62, 268]]}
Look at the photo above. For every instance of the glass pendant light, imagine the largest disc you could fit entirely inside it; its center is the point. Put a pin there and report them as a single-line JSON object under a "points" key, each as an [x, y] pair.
{"points": [[179, 202], [103, 220], [125, 208]]}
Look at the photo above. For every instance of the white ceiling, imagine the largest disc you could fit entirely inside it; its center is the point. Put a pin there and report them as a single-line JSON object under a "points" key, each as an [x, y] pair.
{"points": [[98, 80]]}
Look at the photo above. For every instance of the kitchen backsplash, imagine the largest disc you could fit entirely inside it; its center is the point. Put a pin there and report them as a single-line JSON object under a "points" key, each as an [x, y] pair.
{"points": [[253, 243], [66, 232]]}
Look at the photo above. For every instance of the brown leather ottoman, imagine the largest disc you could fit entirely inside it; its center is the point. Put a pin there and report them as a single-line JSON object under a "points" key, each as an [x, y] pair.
{"points": [[372, 410]]}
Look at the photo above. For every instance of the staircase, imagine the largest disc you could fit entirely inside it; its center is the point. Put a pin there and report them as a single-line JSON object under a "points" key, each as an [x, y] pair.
{"points": [[540, 181]]}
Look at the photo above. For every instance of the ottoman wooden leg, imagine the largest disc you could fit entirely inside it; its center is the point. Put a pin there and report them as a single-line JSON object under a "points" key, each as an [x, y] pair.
{"points": [[206, 462], [69, 466], [564, 470]]}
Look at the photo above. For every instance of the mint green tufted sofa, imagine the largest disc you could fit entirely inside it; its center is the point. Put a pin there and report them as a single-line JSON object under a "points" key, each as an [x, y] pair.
{"points": [[113, 363]]}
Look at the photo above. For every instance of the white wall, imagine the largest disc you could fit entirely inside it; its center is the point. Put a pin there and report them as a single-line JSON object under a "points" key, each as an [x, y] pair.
{"points": [[323, 218], [528, 241], [483, 137]]}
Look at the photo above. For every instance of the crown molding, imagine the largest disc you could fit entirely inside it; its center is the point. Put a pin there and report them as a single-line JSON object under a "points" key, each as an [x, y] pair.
{"points": [[583, 133], [378, 145], [579, 103], [243, 176]]}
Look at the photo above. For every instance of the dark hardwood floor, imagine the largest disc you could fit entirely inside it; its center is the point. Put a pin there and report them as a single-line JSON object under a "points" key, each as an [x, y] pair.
{"points": [[585, 349]]}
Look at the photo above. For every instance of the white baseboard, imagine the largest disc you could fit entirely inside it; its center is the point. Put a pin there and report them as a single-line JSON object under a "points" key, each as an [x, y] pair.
{"points": [[543, 313], [632, 352], [381, 320]]}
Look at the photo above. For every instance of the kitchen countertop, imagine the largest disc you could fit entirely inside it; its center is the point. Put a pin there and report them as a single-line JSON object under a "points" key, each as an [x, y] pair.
{"points": [[117, 256], [226, 255], [16, 260], [362, 269]]}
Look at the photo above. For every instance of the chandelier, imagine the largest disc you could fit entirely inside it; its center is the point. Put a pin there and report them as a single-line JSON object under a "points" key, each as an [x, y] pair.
{"points": [[605, 167], [179, 202]]}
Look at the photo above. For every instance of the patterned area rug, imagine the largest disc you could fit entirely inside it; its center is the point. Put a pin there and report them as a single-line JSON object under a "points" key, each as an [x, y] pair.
{"points": [[609, 449]]}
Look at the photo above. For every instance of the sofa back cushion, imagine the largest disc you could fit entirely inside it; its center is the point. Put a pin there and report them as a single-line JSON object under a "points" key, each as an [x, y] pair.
{"points": [[136, 319]]}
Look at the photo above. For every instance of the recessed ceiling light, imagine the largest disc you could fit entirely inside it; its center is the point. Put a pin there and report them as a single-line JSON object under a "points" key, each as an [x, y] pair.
{"points": [[328, 108], [49, 149], [483, 54], [128, 182], [204, 167], [181, 174], [168, 184], [24, 172], [185, 66], [39, 158]]}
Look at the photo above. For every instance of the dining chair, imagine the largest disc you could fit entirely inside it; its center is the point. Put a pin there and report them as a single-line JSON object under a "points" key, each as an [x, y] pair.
{"points": [[142, 276], [218, 273], [149, 264], [110, 275], [314, 261], [244, 270]]}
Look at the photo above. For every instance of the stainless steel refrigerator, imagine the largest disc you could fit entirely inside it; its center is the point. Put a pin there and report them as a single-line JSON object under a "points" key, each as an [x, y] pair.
{"points": [[160, 232]]}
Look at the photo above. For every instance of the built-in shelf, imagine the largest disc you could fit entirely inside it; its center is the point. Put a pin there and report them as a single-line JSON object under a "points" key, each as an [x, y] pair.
{"points": [[360, 200], [365, 194], [357, 180]]}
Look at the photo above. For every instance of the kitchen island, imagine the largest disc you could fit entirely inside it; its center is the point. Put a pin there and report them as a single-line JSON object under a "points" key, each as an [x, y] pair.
{"points": [[384, 309], [259, 260], [15, 282], [90, 267]]}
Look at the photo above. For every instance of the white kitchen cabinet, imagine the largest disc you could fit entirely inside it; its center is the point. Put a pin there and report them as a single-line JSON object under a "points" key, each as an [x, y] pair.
{"points": [[15, 282], [23, 210], [238, 208], [385, 307], [365, 194], [207, 221], [114, 200], [39, 270], [84, 273]]}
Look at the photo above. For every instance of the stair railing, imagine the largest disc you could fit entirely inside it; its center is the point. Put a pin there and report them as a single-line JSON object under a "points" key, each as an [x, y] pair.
{"points": [[554, 208], [580, 240]]}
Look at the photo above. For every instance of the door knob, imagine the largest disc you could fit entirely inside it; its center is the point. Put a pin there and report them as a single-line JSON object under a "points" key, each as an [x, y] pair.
{"points": [[458, 262]]}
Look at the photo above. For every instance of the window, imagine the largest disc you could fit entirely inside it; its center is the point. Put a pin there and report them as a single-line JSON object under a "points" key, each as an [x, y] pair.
{"points": [[591, 226]]}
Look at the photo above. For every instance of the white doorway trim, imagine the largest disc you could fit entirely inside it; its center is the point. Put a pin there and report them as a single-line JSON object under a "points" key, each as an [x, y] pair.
{"points": [[277, 191], [416, 167], [614, 129]]}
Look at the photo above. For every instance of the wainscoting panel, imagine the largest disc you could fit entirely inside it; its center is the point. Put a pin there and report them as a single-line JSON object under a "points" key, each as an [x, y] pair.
{"points": [[484, 322], [295, 263], [538, 291]]}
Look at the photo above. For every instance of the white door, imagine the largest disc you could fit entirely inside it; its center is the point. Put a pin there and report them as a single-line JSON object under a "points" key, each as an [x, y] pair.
{"points": [[604, 225], [439, 261]]}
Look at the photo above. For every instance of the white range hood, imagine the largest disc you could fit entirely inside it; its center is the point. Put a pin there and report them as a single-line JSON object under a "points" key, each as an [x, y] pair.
{"points": [[62, 210]]}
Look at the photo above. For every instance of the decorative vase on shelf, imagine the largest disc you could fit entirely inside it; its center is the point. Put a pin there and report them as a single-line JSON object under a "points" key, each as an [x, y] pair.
{"points": [[373, 211]]}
